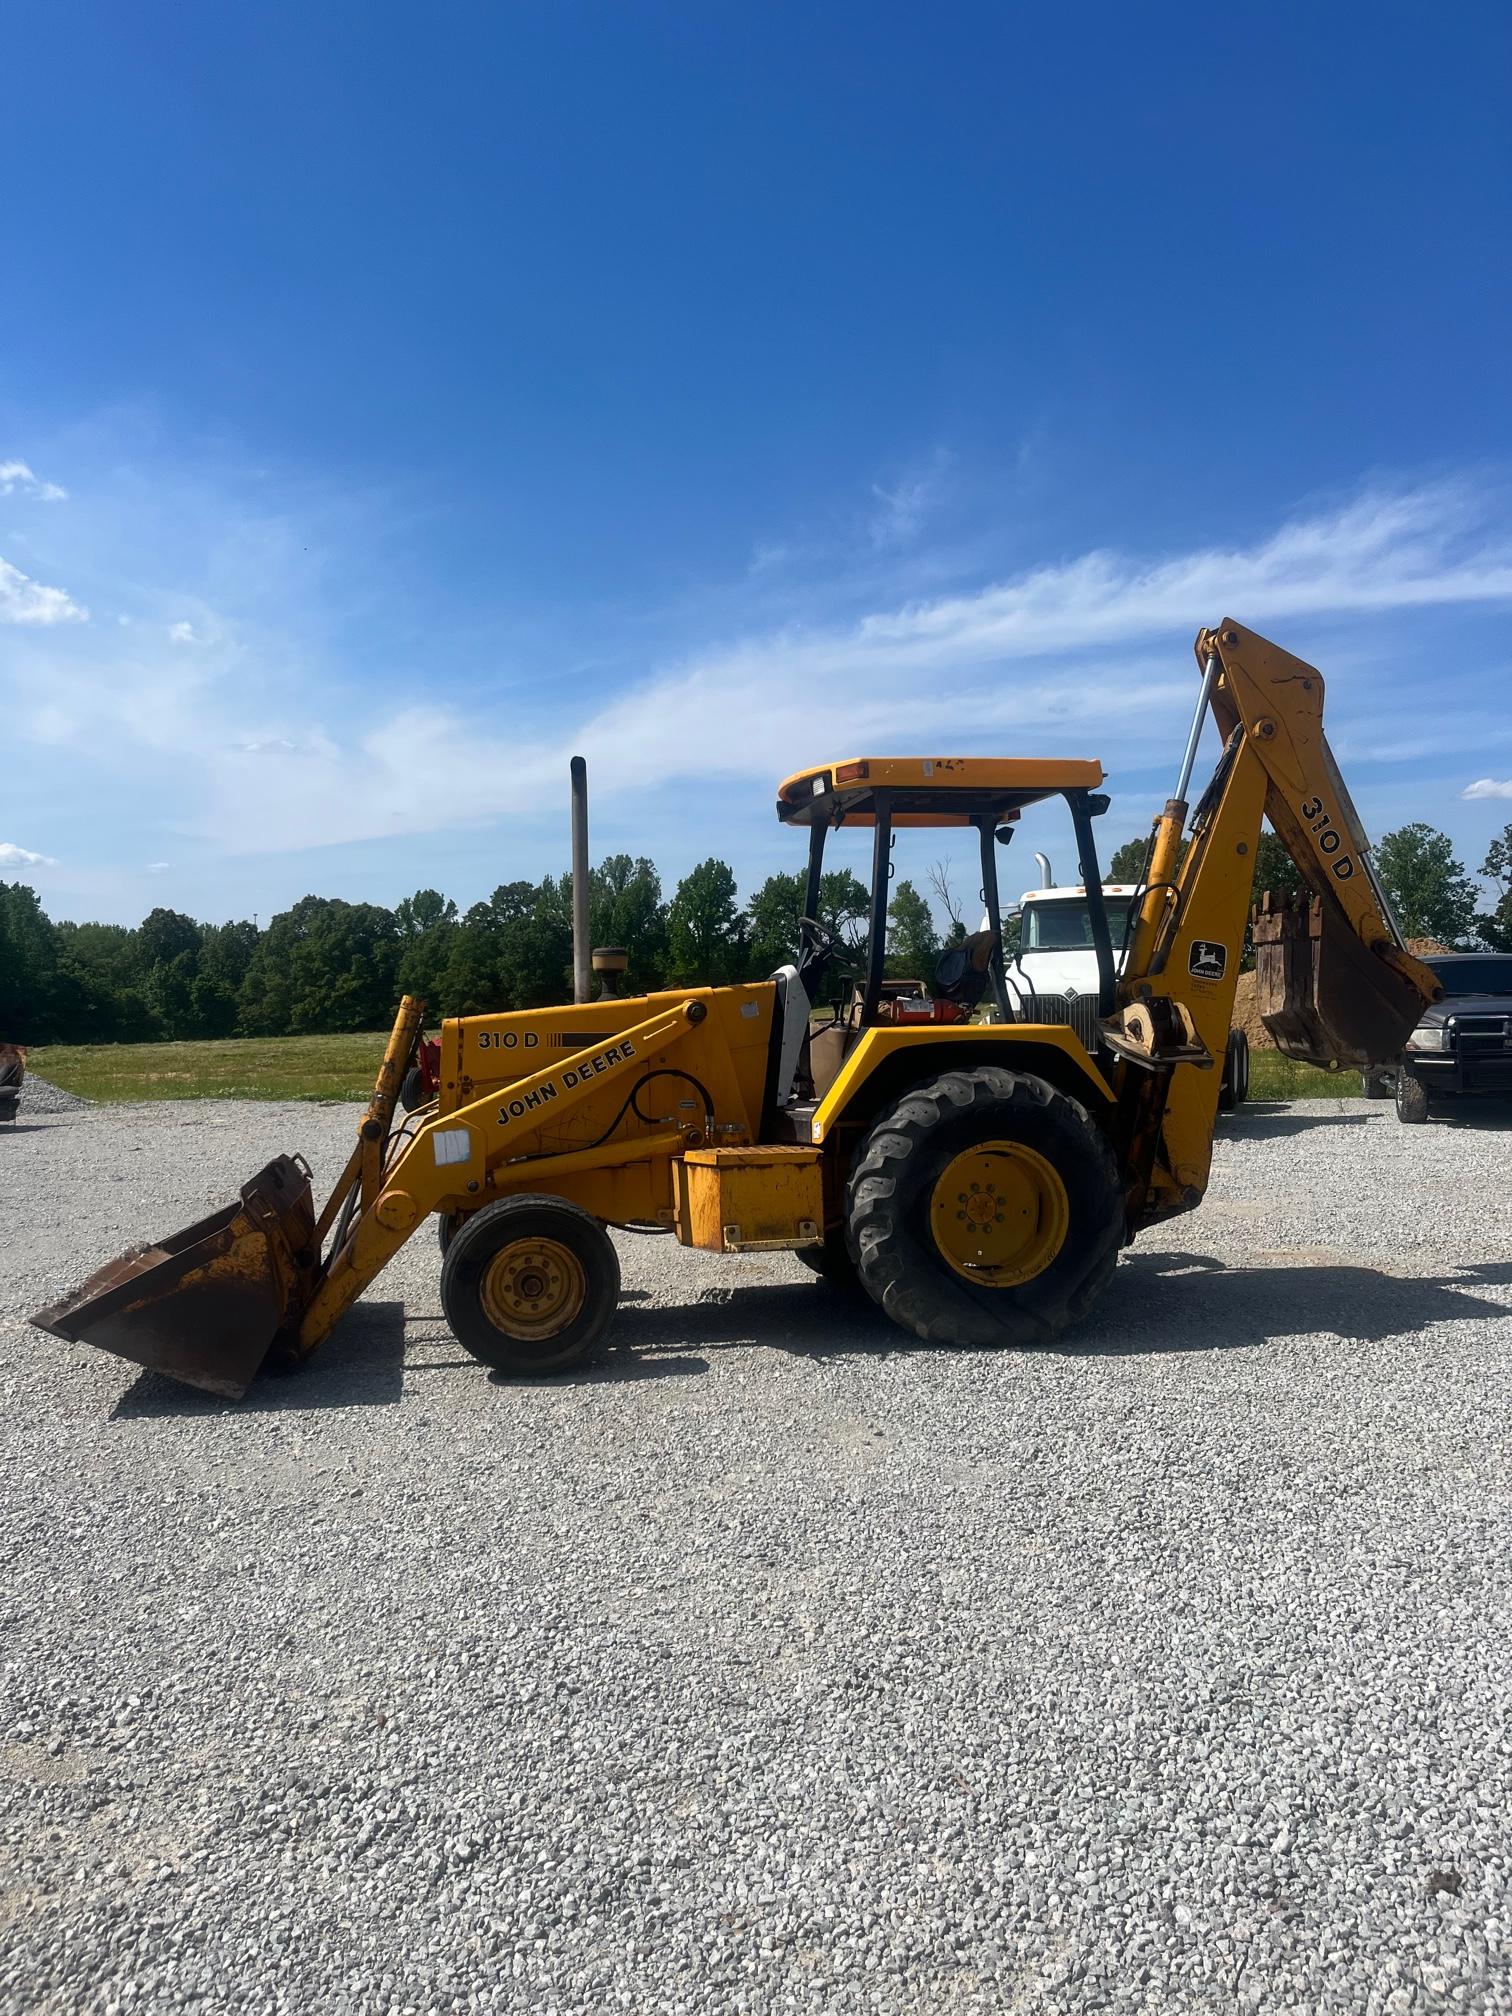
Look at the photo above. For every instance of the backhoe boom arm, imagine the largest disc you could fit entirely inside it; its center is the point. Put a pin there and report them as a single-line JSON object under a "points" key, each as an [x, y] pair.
{"points": [[1336, 983]]}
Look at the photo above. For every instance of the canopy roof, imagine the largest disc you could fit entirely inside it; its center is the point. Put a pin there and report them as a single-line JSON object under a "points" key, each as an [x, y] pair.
{"points": [[928, 790]]}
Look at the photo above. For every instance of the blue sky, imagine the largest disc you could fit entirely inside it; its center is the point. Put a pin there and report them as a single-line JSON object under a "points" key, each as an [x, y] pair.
{"points": [[718, 389]]}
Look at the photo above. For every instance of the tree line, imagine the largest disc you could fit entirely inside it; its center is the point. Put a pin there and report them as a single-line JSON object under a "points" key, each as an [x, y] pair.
{"points": [[1430, 891], [326, 966]]}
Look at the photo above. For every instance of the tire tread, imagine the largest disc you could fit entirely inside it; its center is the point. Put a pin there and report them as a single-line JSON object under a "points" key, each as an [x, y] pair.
{"points": [[946, 1311]]}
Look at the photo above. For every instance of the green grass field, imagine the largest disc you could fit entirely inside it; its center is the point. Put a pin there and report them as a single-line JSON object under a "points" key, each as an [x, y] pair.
{"points": [[343, 1067], [1273, 1076], [264, 1067]]}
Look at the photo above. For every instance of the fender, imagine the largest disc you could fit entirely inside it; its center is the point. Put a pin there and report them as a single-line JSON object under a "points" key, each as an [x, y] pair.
{"points": [[993, 1040]]}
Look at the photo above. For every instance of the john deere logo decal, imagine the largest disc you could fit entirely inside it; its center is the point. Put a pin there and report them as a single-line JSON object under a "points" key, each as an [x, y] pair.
{"points": [[1209, 961]]}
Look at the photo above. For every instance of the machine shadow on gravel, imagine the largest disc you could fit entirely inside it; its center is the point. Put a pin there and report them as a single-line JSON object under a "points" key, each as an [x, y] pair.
{"points": [[362, 1367], [802, 1317], [1159, 1303], [1280, 1122], [1162, 1302], [1484, 1114]]}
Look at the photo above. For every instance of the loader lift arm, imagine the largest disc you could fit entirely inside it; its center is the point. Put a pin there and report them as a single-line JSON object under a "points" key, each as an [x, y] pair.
{"points": [[469, 1154]]}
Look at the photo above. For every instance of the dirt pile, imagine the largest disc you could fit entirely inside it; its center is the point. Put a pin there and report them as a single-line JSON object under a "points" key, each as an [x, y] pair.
{"points": [[1247, 1014], [1246, 1006]]}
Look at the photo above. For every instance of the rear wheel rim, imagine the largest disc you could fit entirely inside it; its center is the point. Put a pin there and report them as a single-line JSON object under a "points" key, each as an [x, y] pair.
{"points": [[534, 1288], [999, 1214]]}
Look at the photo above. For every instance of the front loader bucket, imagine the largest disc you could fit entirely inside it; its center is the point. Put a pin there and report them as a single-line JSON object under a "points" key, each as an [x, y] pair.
{"points": [[1323, 994], [204, 1305]]}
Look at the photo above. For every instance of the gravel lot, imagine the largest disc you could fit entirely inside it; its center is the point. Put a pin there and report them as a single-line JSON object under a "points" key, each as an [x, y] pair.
{"points": [[775, 1664], [40, 1095]]}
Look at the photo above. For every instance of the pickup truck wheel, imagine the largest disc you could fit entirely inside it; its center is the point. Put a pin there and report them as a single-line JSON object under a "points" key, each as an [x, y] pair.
{"points": [[1375, 1083], [1411, 1098], [529, 1284], [985, 1208]]}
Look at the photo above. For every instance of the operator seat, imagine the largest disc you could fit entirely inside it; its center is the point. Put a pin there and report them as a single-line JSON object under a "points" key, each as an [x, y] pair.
{"points": [[962, 972], [790, 1022]]}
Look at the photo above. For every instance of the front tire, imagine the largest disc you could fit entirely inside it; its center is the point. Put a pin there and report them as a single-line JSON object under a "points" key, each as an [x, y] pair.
{"points": [[529, 1284], [985, 1208], [1411, 1098], [831, 1262]]}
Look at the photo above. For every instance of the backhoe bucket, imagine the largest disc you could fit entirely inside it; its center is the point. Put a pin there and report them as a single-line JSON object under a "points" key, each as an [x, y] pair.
{"points": [[1323, 994], [204, 1305]]}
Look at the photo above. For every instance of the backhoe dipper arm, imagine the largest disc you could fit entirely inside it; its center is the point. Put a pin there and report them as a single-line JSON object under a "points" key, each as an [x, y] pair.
{"points": [[469, 1153], [1277, 701], [1355, 992], [1269, 708]]}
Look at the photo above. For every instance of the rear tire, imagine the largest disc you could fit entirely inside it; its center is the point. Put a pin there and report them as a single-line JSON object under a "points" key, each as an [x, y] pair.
{"points": [[1234, 1088], [1041, 1260], [1411, 1098], [1375, 1083], [529, 1284]]}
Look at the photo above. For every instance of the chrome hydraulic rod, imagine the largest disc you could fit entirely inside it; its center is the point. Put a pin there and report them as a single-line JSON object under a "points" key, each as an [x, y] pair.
{"points": [[1199, 721]]}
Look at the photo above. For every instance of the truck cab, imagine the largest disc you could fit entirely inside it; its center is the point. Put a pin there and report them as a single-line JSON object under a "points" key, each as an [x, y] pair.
{"points": [[1053, 975], [1057, 953]]}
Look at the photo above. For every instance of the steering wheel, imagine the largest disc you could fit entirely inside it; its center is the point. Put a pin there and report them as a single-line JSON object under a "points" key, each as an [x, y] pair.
{"points": [[814, 937], [819, 948]]}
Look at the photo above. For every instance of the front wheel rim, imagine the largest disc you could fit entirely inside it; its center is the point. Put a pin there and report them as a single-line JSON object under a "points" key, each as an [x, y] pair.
{"points": [[999, 1214], [534, 1289]]}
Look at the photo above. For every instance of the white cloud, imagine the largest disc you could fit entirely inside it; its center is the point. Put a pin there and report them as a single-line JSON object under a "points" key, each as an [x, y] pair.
{"points": [[1489, 787], [768, 556], [23, 600], [158, 867], [903, 508], [12, 856], [182, 633], [17, 476], [1086, 656], [1056, 660]]}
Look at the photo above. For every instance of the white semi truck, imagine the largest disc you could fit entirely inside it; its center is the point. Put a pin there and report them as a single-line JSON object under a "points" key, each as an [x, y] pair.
{"points": [[1056, 959]]}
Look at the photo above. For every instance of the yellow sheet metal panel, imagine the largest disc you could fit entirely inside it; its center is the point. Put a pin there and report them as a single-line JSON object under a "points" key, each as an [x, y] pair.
{"points": [[973, 1042], [931, 783], [750, 1200], [727, 1053]]}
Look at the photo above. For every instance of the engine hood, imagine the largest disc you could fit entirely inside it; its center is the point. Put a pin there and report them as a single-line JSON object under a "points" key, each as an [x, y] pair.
{"points": [[1465, 1004]]}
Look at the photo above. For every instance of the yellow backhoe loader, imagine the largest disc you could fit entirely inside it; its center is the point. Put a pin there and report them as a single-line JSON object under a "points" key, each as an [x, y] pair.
{"points": [[977, 1177]]}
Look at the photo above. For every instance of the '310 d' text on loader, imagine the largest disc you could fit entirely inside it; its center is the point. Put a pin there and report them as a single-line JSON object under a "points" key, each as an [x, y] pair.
{"points": [[976, 1176]]}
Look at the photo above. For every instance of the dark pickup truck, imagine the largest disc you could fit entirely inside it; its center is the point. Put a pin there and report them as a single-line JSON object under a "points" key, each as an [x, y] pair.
{"points": [[1464, 1042]]}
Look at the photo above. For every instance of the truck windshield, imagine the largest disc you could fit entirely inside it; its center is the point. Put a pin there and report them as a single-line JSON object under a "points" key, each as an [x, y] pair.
{"points": [[1066, 925], [1474, 976]]}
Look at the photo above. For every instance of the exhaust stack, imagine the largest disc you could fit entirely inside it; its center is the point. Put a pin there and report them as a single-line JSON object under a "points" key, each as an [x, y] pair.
{"points": [[582, 984]]}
